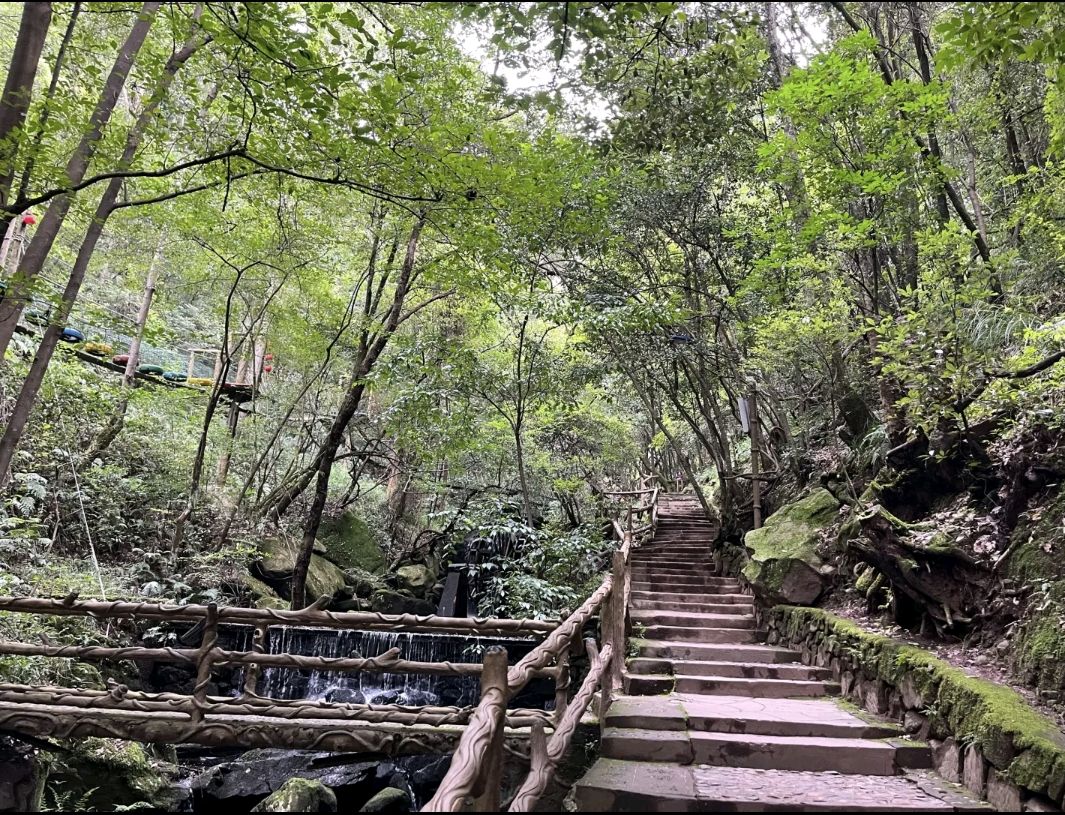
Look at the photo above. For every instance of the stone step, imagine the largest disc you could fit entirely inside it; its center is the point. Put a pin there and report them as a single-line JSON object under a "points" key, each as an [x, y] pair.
{"points": [[613, 785], [694, 620], [686, 634], [801, 753], [725, 584], [636, 604], [668, 561], [637, 593], [703, 651], [750, 670], [822, 718], [755, 688], [680, 569]]}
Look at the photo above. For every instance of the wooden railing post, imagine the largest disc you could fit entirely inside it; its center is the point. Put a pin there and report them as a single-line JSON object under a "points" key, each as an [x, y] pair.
{"points": [[258, 646], [203, 662], [489, 786], [562, 685]]}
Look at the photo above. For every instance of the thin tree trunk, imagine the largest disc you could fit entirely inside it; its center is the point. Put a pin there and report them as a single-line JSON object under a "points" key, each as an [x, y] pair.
{"points": [[347, 411], [117, 419], [18, 89], [33, 261]]}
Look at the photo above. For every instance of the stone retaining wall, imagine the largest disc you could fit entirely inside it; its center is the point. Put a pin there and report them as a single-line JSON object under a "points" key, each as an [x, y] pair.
{"points": [[982, 735]]}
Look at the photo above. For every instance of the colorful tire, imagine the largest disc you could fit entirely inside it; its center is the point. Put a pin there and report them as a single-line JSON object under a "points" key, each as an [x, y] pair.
{"points": [[72, 335], [155, 370], [200, 381], [174, 376], [120, 359], [99, 349]]}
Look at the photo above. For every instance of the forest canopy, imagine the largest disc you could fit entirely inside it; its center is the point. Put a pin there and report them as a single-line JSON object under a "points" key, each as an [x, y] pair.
{"points": [[293, 287]]}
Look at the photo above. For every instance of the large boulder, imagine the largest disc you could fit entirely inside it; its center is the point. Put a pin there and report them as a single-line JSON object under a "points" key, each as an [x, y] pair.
{"points": [[278, 560], [350, 543], [99, 775], [299, 795], [784, 565]]}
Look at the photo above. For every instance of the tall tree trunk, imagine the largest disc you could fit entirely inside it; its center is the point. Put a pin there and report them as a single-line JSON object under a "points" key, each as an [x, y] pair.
{"points": [[18, 89], [33, 261], [117, 420], [31, 386], [46, 108], [348, 408]]}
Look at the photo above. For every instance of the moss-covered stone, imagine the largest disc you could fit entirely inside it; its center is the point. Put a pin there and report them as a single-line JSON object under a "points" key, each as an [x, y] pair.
{"points": [[351, 544], [99, 775], [415, 578], [1022, 743], [784, 565], [324, 578], [299, 795], [262, 596]]}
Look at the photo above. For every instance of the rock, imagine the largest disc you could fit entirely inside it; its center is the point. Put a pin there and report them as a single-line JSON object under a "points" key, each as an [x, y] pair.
{"points": [[416, 579], [946, 758], [279, 559], [345, 696], [394, 602], [974, 771], [262, 595], [258, 773], [390, 799], [99, 775], [1001, 794], [299, 795], [22, 776], [386, 697], [351, 544], [784, 566], [418, 698]]}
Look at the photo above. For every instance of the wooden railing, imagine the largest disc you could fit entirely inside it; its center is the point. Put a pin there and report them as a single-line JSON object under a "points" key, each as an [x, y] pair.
{"points": [[476, 773]]}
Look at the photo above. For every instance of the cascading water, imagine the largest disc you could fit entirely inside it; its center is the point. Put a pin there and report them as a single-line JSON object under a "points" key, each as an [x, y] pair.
{"points": [[386, 688]]}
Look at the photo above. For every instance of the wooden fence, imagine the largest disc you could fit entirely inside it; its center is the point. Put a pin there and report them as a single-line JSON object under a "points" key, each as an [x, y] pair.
{"points": [[475, 776], [476, 734]]}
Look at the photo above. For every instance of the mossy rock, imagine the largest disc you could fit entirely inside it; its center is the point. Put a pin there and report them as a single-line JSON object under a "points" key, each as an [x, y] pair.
{"points": [[351, 544], [278, 561], [262, 595], [416, 579], [784, 566], [299, 795], [1021, 743], [1039, 646], [100, 775]]}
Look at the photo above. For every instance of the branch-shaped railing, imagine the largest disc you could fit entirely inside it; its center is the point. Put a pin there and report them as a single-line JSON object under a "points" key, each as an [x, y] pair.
{"points": [[477, 766], [475, 775]]}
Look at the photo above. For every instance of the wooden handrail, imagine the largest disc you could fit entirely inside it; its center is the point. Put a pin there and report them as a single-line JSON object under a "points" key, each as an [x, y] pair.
{"points": [[475, 770]]}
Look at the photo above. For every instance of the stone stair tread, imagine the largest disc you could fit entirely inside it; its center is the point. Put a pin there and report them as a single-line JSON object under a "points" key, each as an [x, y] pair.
{"points": [[721, 749], [748, 651], [692, 619], [664, 596], [631, 786], [729, 668], [743, 714], [768, 689], [704, 634]]}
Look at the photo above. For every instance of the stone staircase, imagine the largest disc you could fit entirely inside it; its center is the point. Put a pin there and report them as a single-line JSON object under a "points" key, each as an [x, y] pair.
{"points": [[713, 720]]}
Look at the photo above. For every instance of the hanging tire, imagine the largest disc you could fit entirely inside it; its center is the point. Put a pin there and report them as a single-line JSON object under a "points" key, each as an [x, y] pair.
{"points": [[155, 370], [99, 349], [174, 376], [72, 335], [120, 359]]}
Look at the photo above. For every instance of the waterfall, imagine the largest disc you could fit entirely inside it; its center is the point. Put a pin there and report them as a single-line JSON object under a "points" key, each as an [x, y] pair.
{"points": [[385, 688]]}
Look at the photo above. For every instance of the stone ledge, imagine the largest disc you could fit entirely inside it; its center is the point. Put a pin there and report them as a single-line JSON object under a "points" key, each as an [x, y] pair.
{"points": [[1023, 753]]}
